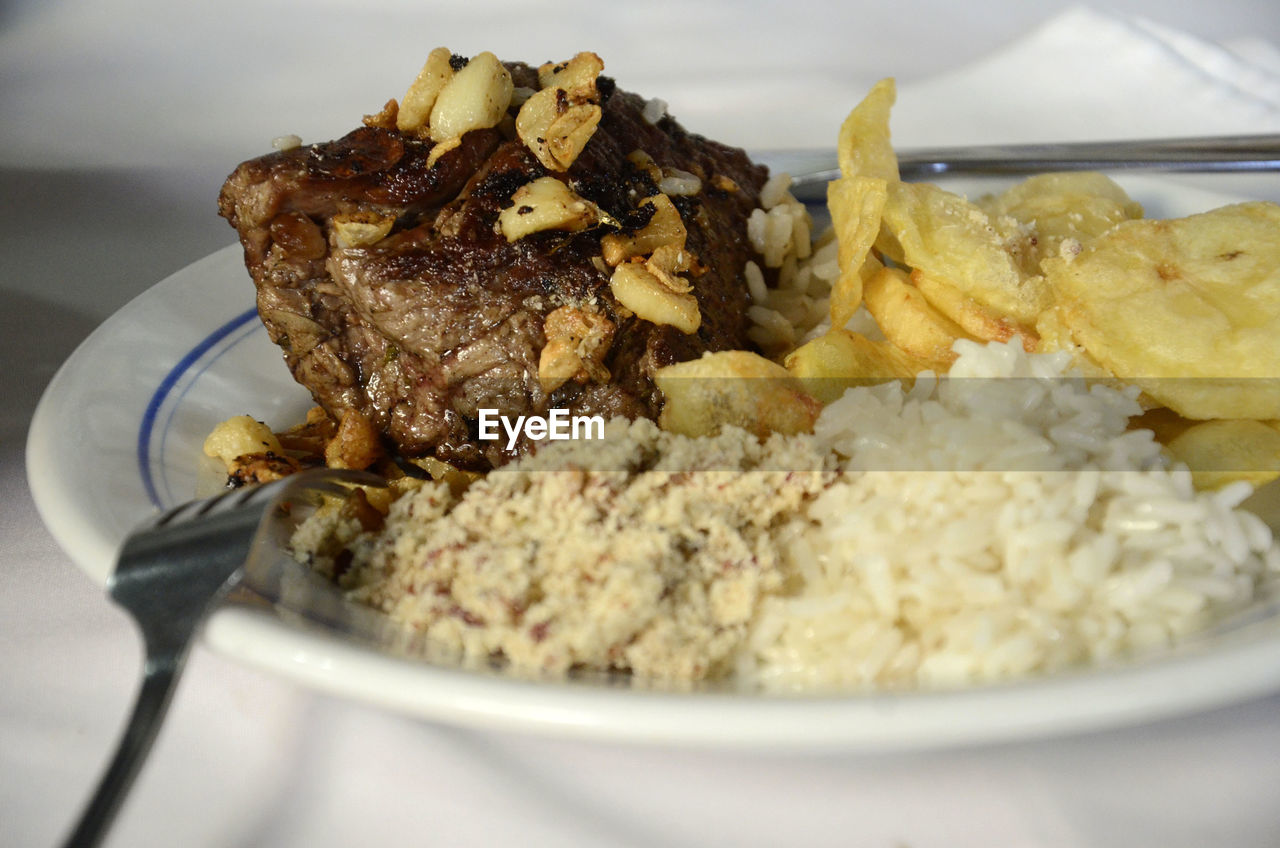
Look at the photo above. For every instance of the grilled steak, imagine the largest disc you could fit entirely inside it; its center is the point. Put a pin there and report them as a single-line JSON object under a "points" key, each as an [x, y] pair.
{"points": [[444, 315]]}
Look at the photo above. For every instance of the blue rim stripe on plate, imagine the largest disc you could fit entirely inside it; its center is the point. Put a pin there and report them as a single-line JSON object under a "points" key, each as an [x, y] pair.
{"points": [[179, 393], [166, 386]]}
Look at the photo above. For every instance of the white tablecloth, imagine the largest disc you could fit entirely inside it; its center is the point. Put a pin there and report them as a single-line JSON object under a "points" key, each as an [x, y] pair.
{"points": [[120, 120]]}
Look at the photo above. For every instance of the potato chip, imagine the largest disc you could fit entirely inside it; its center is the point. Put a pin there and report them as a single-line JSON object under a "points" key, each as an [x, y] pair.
{"points": [[950, 239], [1044, 215], [1049, 189], [1222, 452], [907, 320], [1054, 335], [1187, 309], [977, 320], [856, 204], [840, 359], [734, 387], [863, 147], [846, 293]]}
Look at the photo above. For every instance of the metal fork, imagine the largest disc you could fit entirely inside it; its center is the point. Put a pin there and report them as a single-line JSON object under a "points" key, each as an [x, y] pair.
{"points": [[170, 573], [1247, 153]]}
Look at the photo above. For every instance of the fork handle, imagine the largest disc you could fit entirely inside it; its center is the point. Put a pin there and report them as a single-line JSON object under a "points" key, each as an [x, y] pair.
{"points": [[158, 683], [1250, 153], [1221, 153]]}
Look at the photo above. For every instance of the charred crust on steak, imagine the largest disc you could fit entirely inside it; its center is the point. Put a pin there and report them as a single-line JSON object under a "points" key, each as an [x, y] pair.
{"points": [[443, 315], [362, 151]]}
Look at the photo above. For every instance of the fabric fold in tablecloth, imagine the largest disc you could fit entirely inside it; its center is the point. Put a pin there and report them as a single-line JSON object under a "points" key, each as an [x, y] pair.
{"points": [[1086, 74]]}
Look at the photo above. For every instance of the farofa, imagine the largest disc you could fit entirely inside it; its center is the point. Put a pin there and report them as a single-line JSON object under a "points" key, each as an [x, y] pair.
{"points": [[572, 558]]}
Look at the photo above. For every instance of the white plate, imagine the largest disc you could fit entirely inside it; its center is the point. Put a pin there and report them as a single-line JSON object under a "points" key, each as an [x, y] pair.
{"points": [[118, 434]]}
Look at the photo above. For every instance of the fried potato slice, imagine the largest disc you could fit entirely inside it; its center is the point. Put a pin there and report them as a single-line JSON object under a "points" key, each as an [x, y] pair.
{"points": [[863, 147], [979, 321], [948, 238], [846, 296], [1222, 452], [841, 359], [856, 205], [846, 292], [908, 321], [1045, 215], [734, 387], [1054, 335], [1186, 309], [1053, 192]]}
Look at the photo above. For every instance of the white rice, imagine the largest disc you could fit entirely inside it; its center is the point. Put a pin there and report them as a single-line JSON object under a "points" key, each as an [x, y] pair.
{"points": [[780, 231], [998, 527]]}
